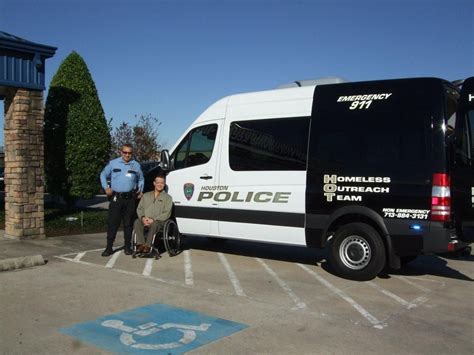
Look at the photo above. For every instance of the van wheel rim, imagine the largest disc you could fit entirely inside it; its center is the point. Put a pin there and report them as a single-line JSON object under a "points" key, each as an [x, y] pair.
{"points": [[355, 252]]}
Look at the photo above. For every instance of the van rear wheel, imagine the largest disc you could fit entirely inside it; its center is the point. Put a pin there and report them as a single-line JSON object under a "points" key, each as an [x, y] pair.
{"points": [[357, 252]]}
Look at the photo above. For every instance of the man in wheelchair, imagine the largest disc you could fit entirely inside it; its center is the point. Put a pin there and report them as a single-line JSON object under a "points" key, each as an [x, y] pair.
{"points": [[153, 211]]}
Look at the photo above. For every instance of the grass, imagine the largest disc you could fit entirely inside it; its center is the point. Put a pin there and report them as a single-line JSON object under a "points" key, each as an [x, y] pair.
{"points": [[70, 221], [74, 221]]}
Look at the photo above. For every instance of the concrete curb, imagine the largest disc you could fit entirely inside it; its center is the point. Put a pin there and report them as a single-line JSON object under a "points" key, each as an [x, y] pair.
{"points": [[21, 262]]}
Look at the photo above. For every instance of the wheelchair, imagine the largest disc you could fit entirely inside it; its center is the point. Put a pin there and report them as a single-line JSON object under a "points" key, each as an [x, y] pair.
{"points": [[169, 235]]}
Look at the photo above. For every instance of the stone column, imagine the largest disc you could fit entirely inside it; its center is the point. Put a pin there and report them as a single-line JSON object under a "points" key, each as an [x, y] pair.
{"points": [[24, 164]]}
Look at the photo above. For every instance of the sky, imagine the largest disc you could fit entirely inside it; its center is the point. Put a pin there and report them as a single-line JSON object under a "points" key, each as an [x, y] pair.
{"points": [[174, 58]]}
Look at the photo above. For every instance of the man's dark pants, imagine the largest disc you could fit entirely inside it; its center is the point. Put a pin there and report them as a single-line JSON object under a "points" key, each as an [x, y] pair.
{"points": [[120, 210]]}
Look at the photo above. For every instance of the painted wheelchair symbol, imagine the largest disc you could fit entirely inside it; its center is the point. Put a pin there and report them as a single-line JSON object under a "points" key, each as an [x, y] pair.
{"points": [[128, 333]]}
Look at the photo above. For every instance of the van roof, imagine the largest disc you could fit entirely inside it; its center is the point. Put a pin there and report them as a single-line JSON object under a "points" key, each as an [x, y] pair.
{"points": [[292, 99], [313, 82], [266, 98]]}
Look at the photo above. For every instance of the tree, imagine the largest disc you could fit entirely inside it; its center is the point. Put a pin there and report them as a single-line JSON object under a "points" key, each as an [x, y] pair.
{"points": [[77, 138], [123, 134], [143, 136]]}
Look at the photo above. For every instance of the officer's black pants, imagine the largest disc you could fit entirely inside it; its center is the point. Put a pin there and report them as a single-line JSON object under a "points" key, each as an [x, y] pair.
{"points": [[120, 210]]}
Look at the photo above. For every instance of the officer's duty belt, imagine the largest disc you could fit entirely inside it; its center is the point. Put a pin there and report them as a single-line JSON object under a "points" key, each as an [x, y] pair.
{"points": [[124, 195]]}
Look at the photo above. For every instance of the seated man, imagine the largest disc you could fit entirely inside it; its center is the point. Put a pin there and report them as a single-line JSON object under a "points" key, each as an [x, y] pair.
{"points": [[153, 210]]}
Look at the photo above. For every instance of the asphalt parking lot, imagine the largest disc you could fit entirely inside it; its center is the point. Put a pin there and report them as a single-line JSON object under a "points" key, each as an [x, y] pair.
{"points": [[280, 299]]}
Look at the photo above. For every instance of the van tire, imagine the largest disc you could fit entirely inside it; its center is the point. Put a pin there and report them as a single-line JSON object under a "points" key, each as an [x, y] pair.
{"points": [[357, 252]]}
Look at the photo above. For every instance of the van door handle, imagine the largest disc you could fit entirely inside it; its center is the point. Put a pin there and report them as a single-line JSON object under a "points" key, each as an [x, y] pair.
{"points": [[206, 177]]}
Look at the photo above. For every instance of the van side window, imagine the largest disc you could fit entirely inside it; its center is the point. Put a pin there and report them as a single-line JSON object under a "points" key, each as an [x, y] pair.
{"points": [[196, 148], [451, 105], [470, 132], [271, 144], [465, 149]]}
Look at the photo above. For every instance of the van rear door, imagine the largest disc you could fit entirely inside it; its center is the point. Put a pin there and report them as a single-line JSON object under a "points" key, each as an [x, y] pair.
{"points": [[463, 167]]}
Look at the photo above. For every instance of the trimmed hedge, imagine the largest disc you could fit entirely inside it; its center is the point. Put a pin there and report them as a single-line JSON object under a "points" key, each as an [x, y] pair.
{"points": [[77, 138]]}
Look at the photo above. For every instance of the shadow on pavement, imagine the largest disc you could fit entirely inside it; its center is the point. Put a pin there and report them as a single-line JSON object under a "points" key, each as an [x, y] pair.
{"points": [[433, 265], [423, 265], [287, 253]]}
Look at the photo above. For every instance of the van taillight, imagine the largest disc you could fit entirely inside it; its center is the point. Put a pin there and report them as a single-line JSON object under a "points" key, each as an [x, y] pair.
{"points": [[441, 198]]}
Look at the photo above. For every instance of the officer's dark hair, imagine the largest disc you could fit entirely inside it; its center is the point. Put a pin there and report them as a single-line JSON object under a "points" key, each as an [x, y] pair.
{"points": [[128, 145], [160, 175]]}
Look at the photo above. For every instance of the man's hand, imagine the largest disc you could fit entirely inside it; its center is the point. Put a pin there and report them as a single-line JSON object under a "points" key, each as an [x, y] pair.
{"points": [[147, 221], [140, 195], [108, 191]]}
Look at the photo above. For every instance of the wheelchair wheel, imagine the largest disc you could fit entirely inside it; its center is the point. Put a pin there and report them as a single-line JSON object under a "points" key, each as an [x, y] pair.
{"points": [[134, 244], [172, 238]]}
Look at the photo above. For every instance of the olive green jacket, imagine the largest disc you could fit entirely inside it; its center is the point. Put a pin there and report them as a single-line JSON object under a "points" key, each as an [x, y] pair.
{"points": [[158, 208]]}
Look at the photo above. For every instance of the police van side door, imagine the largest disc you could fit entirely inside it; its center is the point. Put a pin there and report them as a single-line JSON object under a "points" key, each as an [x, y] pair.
{"points": [[194, 166], [463, 169], [262, 180]]}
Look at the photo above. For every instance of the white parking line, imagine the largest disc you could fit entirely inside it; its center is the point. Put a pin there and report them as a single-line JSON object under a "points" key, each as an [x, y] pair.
{"points": [[374, 321], [79, 256], [148, 267], [75, 253], [233, 279], [419, 300], [170, 282], [411, 283], [113, 259], [418, 278], [188, 270], [283, 285], [393, 296]]}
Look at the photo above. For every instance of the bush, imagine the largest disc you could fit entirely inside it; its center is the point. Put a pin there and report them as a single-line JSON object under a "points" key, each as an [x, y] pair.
{"points": [[77, 138]]}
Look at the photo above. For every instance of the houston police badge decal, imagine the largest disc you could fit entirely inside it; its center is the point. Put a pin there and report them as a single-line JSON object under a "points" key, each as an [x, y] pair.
{"points": [[188, 190]]}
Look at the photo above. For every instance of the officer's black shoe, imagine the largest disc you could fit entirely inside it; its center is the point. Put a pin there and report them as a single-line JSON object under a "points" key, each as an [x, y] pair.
{"points": [[128, 251], [107, 252]]}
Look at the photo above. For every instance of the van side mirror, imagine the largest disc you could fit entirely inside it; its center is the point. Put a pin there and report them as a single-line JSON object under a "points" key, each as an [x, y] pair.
{"points": [[165, 160]]}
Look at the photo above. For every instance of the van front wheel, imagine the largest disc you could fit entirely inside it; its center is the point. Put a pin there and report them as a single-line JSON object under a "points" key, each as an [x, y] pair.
{"points": [[357, 252]]}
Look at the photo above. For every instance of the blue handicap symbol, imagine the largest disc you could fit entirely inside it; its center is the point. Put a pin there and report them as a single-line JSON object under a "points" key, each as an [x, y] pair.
{"points": [[156, 328]]}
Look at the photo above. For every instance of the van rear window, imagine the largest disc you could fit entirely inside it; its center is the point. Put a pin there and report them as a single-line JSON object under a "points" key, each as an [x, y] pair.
{"points": [[385, 142], [378, 128]]}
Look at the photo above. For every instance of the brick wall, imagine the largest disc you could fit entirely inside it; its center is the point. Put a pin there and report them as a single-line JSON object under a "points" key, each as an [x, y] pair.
{"points": [[24, 164]]}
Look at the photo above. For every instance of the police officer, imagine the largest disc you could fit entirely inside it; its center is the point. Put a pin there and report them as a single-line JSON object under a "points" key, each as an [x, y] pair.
{"points": [[126, 184]]}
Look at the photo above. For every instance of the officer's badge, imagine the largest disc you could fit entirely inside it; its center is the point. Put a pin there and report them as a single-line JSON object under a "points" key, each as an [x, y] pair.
{"points": [[188, 190]]}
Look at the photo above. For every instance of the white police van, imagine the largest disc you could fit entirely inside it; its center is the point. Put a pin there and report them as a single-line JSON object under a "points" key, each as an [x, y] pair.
{"points": [[379, 171]]}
